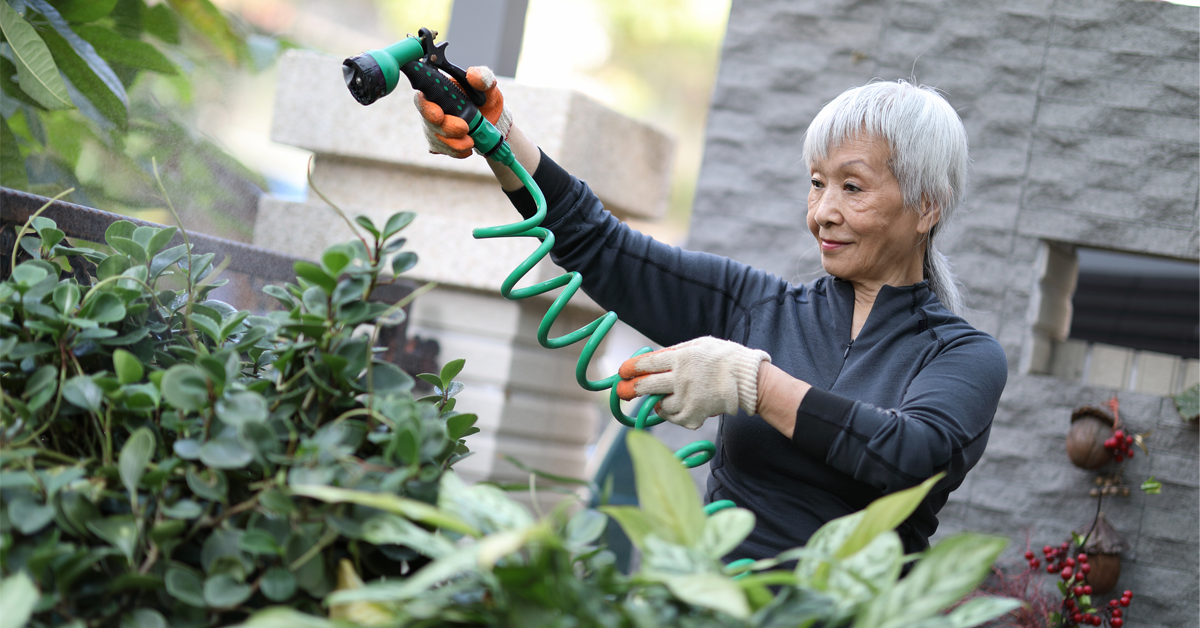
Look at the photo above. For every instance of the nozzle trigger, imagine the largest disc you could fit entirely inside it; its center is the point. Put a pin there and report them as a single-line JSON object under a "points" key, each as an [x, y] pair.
{"points": [[435, 55]]}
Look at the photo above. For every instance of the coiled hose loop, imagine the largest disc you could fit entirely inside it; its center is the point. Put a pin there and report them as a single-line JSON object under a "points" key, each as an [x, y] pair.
{"points": [[692, 455]]}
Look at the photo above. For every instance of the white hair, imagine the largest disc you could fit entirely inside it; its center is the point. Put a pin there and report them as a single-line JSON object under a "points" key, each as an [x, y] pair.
{"points": [[928, 155]]}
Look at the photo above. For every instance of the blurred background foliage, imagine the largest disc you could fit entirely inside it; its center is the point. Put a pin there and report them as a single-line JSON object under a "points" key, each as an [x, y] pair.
{"points": [[92, 90], [198, 77]]}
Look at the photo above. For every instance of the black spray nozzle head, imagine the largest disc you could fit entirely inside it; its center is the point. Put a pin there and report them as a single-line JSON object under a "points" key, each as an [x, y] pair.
{"points": [[364, 78]]}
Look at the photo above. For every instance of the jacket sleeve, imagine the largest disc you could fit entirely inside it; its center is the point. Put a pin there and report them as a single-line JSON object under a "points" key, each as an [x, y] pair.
{"points": [[668, 294], [942, 423]]}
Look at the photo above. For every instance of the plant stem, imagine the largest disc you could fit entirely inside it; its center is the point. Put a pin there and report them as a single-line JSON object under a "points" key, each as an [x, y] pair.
{"points": [[21, 231], [327, 538]]}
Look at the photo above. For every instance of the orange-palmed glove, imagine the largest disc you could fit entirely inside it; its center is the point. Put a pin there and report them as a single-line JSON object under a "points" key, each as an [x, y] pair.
{"points": [[701, 378], [447, 135]]}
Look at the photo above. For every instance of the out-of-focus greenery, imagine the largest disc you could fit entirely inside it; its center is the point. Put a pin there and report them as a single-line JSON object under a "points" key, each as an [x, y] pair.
{"points": [[92, 90]]}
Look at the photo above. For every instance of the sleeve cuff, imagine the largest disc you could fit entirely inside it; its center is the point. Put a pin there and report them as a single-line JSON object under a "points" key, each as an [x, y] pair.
{"points": [[554, 182], [819, 420]]}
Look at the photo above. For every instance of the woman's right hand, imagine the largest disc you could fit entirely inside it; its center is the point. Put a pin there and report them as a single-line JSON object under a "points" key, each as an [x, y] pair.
{"points": [[447, 134]]}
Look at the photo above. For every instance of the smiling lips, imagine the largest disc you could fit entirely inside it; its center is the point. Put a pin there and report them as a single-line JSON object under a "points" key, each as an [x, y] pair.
{"points": [[832, 245]]}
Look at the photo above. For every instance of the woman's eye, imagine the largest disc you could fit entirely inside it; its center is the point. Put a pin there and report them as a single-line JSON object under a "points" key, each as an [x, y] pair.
{"points": [[817, 184], [850, 187]]}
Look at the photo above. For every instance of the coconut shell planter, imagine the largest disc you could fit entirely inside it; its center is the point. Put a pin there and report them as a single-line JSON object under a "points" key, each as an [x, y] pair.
{"points": [[1090, 427], [1103, 548]]}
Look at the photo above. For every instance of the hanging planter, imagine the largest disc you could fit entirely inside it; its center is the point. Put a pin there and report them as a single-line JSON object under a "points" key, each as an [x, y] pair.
{"points": [[1090, 427], [1104, 546]]}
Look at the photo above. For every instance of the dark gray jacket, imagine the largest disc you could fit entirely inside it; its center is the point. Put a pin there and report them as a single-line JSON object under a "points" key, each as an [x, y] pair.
{"points": [[914, 394]]}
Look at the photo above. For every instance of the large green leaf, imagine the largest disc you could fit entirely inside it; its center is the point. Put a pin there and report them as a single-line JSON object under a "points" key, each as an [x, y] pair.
{"points": [[211, 23], [632, 520], [665, 491], [284, 617], [885, 514], [12, 163], [980, 610], [36, 71], [389, 529], [135, 455], [709, 590], [82, 48], [185, 586], [944, 574], [131, 52], [99, 96], [84, 10], [725, 530], [18, 595], [409, 508]]}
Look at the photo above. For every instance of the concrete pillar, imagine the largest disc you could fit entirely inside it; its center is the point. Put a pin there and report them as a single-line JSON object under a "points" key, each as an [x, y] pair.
{"points": [[373, 161]]}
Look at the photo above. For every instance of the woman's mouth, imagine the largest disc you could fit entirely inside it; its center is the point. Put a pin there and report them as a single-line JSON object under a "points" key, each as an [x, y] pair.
{"points": [[832, 245]]}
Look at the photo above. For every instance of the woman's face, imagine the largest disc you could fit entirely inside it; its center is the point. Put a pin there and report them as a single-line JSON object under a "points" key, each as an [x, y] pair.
{"points": [[856, 211]]}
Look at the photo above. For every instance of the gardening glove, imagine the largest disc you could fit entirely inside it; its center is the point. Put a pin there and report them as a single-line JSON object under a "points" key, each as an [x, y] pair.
{"points": [[447, 135], [701, 378]]}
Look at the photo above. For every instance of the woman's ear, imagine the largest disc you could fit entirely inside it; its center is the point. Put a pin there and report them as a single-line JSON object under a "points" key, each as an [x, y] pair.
{"points": [[931, 213]]}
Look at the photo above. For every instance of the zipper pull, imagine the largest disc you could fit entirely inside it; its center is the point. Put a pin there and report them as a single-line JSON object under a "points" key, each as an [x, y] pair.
{"points": [[847, 353]]}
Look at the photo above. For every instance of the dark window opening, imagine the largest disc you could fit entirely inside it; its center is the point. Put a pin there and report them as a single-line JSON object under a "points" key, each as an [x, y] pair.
{"points": [[1139, 302]]}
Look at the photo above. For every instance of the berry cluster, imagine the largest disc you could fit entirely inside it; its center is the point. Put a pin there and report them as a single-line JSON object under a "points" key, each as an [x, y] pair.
{"points": [[1059, 561], [1115, 606], [1120, 445], [1077, 607]]}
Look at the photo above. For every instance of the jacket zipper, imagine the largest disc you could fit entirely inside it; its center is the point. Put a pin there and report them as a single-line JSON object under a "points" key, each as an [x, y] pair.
{"points": [[847, 353]]}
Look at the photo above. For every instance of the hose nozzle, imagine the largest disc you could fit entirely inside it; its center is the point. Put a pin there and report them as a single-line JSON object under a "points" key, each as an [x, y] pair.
{"points": [[364, 78]]}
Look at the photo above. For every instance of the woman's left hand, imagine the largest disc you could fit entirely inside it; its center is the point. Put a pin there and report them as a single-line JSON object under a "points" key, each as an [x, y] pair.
{"points": [[701, 378]]}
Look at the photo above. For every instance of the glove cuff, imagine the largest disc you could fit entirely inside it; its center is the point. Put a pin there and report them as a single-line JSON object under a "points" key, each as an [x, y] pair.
{"points": [[745, 370]]}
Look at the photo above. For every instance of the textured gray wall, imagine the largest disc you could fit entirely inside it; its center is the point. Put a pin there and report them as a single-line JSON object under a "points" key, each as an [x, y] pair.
{"points": [[1083, 122]]}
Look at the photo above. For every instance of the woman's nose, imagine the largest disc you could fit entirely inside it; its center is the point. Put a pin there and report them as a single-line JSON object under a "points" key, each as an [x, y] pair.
{"points": [[827, 210]]}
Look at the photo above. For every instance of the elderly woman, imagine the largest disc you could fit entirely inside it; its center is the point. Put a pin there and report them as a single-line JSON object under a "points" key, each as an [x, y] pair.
{"points": [[832, 393]]}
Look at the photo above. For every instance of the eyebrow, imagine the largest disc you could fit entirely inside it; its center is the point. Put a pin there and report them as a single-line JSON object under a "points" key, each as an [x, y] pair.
{"points": [[855, 161]]}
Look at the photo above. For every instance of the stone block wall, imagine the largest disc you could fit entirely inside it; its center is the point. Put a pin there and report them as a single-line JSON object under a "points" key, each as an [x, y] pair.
{"points": [[1083, 122]]}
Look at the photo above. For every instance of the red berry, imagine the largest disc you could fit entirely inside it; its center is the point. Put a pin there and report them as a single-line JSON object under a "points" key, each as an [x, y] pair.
{"points": [[1069, 603], [1066, 573], [1050, 569], [1117, 622], [1078, 590], [1118, 434], [1114, 604], [1065, 546], [1124, 601], [1047, 549], [1070, 562], [1035, 563], [1129, 439], [1087, 589], [1119, 457], [1128, 594], [1077, 617], [1028, 555], [1085, 569], [1081, 558], [1116, 612], [1096, 621]]}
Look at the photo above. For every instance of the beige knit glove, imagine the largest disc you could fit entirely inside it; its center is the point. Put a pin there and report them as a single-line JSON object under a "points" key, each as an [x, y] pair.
{"points": [[701, 378], [447, 135]]}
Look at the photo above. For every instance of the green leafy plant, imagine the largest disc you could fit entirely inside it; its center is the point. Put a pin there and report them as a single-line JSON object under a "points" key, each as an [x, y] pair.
{"points": [[90, 91], [160, 451], [494, 565]]}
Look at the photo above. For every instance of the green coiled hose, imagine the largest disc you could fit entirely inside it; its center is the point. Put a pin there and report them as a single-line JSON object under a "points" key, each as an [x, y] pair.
{"points": [[691, 455]]}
